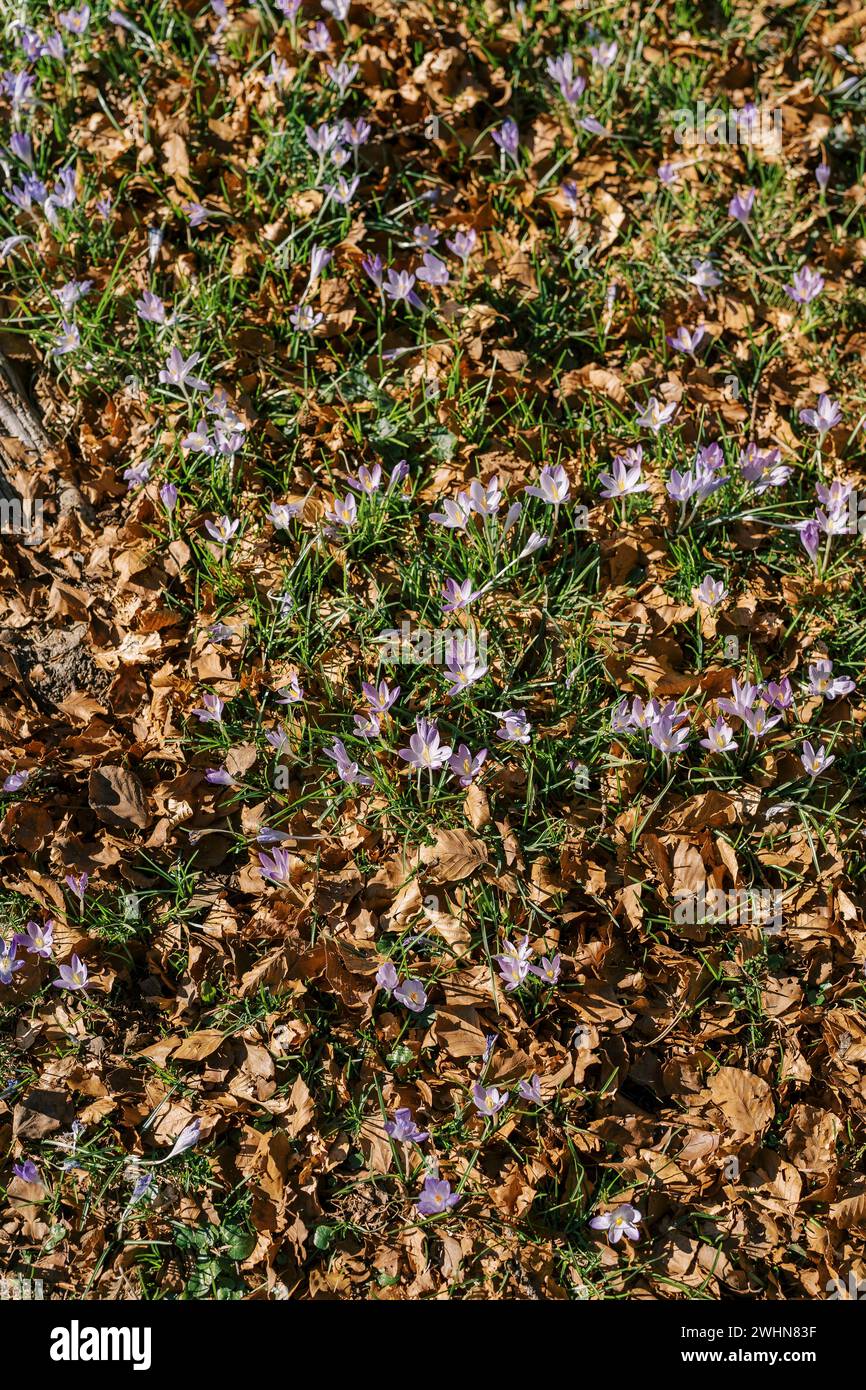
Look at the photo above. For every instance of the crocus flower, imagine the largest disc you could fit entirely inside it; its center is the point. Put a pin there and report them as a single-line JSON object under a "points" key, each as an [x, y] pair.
{"points": [[778, 694], [72, 976], [621, 1222], [553, 486], [825, 418], [454, 514], [412, 994], [485, 498], [26, 1170], [457, 595], [400, 286], [373, 269], [435, 1197], [150, 308], [514, 963], [77, 884], [379, 697], [655, 415], [463, 243], [386, 977], [531, 1090], [403, 1129], [822, 175], [711, 591], [515, 726], [211, 709], [668, 174], [368, 480], [464, 767], [343, 510], [548, 970], [16, 780], [815, 760], [425, 749], [810, 534], [488, 1099], [687, 340], [67, 340], [823, 683], [507, 137], [464, 666], [759, 721], [38, 941], [219, 777], [187, 1139], [168, 496], [347, 769], [740, 206], [277, 866], [432, 271], [178, 371], [318, 40], [704, 277], [9, 962], [305, 318], [667, 738], [720, 737], [807, 285], [625, 477]]}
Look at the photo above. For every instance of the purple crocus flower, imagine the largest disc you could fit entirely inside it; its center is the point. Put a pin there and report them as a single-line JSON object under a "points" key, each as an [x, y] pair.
{"points": [[432, 271], [412, 994], [457, 595], [549, 969], [150, 308], [463, 243], [9, 962], [373, 269], [815, 760], [826, 417], [277, 866], [347, 769], [400, 286], [810, 538], [318, 40], [655, 415], [531, 1090], [403, 1129], [26, 1170], [667, 738], [621, 1222], [464, 767], [553, 485], [514, 963], [379, 697], [720, 737], [515, 726], [507, 137], [38, 941], [435, 1197], [223, 530], [807, 285], [822, 175], [687, 340], [386, 977], [211, 709], [740, 206], [711, 591], [178, 371], [822, 681], [16, 780], [488, 1100], [625, 477], [77, 884], [168, 496], [425, 749], [72, 976]]}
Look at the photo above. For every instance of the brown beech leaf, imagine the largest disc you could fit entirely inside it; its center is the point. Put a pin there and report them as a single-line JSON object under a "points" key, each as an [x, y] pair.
{"points": [[118, 798]]}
